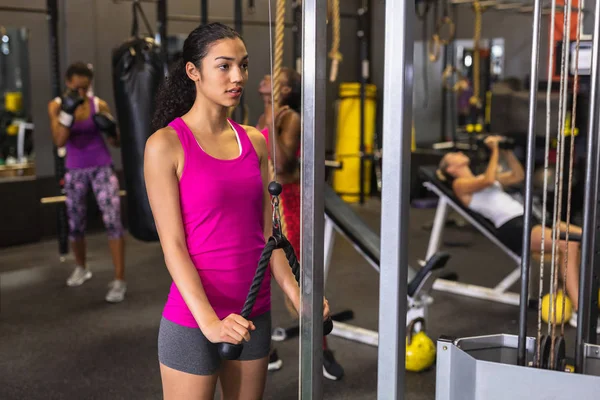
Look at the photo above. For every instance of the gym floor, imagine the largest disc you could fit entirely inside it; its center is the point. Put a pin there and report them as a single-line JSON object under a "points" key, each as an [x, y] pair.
{"points": [[68, 343]]}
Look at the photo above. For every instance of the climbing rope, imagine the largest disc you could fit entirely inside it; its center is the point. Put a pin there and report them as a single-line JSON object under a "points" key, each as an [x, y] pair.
{"points": [[475, 100], [433, 44], [460, 83], [278, 59], [334, 54], [538, 361], [557, 342], [558, 181], [572, 129], [434, 47], [437, 39], [445, 21]]}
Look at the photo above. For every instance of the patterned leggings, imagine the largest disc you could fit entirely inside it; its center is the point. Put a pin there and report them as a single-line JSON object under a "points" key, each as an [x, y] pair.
{"points": [[105, 185]]}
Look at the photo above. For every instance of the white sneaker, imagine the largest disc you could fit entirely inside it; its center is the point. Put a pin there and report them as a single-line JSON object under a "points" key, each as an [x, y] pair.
{"points": [[79, 276], [573, 322], [116, 291]]}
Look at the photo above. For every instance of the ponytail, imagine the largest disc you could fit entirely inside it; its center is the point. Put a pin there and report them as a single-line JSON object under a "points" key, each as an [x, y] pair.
{"points": [[175, 96]]}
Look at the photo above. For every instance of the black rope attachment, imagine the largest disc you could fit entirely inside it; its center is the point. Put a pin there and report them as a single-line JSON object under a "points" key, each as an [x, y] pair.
{"points": [[230, 351]]}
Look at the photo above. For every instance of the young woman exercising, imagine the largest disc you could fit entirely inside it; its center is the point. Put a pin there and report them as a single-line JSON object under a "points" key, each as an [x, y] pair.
{"points": [[288, 142], [207, 179], [485, 195], [78, 123]]}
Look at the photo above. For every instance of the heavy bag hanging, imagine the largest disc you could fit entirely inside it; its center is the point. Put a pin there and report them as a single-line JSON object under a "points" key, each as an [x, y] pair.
{"points": [[138, 69]]}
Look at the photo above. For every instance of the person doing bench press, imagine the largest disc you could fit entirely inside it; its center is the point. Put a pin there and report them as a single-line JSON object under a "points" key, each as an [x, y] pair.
{"points": [[78, 122], [485, 195], [288, 145]]}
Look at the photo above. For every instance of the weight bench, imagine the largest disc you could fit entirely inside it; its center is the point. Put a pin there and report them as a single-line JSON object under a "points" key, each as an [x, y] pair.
{"points": [[498, 293], [340, 217]]}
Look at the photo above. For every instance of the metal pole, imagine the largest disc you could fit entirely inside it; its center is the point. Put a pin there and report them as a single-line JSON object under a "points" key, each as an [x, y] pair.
{"points": [[314, 107], [59, 161], [161, 25], [238, 16], [445, 94], [238, 26], [397, 127], [453, 99], [204, 12], [529, 165], [586, 332], [363, 82], [297, 35]]}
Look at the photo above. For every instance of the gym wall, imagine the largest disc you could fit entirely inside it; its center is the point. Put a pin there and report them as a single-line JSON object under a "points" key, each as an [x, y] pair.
{"points": [[39, 70], [516, 29], [88, 31]]}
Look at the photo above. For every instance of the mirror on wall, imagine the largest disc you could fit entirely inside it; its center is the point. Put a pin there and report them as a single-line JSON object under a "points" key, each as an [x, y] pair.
{"points": [[17, 157]]}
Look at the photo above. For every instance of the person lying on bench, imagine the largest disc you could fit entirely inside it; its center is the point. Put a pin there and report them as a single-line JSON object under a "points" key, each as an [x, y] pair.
{"points": [[484, 194]]}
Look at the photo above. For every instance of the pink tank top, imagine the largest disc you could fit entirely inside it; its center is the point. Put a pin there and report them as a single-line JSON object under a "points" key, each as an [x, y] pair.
{"points": [[222, 211]]}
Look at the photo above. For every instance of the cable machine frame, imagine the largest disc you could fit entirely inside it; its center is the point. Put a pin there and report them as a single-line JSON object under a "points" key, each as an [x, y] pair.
{"points": [[503, 362]]}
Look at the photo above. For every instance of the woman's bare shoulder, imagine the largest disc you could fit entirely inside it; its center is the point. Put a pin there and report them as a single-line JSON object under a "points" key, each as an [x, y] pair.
{"points": [[164, 140]]}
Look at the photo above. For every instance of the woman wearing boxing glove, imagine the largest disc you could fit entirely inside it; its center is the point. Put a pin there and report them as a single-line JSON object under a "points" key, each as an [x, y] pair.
{"points": [[78, 122]]}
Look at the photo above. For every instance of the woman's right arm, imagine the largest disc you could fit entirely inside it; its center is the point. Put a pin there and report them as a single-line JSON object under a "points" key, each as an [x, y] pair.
{"points": [[466, 186], [160, 175], [60, 133]]}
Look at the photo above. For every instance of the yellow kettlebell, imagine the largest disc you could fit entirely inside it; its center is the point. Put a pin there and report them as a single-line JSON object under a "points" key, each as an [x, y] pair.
{"points": [[560, 315], [420, 350], [12, 130]]}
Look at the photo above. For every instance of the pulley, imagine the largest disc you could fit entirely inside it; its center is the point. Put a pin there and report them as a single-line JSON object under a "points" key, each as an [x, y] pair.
{"points": [[553, 358]]}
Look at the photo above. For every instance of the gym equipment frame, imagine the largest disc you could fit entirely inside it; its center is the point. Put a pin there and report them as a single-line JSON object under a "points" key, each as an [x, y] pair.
{"points": [[397, 127], [484, 367], [314, 58], [502, 366], [340, 218]]}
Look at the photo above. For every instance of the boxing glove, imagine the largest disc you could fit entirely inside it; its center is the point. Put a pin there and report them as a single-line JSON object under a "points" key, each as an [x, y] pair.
{"points": [[69, 103], [106, 124]]}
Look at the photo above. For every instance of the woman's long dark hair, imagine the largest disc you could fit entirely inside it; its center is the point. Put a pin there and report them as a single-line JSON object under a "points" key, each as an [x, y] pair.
{"points": [[178, 92], [294, 98]]}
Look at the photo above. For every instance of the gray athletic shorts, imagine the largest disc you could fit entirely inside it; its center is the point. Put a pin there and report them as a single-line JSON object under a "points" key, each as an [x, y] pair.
{"points": [[188, 350]]}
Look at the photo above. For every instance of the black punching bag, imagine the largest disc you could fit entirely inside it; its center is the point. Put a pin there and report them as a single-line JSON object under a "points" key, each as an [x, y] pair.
{"points": [[138, 70]]}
